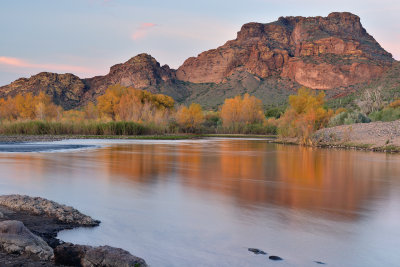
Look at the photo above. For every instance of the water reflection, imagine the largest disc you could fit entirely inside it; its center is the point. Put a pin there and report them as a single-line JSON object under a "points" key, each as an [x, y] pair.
{"points": [[330, 183], [203, 202]]}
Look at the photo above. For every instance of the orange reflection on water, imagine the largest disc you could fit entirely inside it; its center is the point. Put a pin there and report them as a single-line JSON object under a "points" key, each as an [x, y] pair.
{"points": [[252, 173]]}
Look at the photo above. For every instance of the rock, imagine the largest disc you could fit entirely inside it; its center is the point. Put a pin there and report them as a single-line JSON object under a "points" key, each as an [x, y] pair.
{"points": [[320, 262], [41, 206], [318, 52], [140, 72], [65, 89], [257, 251], [87, 256], [15, 238], [68, 90], [1, 215], [275, 258], [373, 135]]}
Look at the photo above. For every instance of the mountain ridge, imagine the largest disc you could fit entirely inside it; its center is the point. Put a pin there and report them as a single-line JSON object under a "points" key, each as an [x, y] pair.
{"points": [[270, 60]]}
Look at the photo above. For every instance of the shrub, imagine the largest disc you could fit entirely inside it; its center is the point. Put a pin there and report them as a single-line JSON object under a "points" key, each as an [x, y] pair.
{"points": [[275, 112], [348, 117], [386, 114]]}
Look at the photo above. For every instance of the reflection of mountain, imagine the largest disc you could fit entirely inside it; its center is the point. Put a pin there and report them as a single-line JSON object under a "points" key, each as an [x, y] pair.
{"points": [[331, 183]]}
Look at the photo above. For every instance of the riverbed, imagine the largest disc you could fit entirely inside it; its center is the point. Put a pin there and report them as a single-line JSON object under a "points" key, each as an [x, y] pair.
{"points": [[205, 202]]}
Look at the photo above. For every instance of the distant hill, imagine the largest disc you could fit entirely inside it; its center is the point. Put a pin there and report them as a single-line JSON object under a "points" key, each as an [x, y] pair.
{"points": [[333, 53]]}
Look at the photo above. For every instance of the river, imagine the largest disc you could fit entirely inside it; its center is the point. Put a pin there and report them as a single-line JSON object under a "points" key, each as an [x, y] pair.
{"points": [[205, 202]]}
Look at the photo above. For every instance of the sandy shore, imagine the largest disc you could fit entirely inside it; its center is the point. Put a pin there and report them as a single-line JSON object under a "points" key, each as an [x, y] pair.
{"points": [[376, 136]]}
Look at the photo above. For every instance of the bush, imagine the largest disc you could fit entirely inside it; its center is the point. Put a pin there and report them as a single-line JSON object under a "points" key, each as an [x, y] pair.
{"points": [[386, 114], [275, 112], [348, 117]]}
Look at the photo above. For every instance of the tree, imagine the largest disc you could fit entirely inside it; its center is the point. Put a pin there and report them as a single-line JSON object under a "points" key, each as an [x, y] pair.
{"points": [[107, 104], [190, 118], [305, 115], [45, 109], [240, 111], [25, 106], [91, 111], [129, 104]]}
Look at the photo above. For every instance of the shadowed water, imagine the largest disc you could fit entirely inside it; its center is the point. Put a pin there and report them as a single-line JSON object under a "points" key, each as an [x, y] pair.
{"points": [[37, 147], [205, 202]]}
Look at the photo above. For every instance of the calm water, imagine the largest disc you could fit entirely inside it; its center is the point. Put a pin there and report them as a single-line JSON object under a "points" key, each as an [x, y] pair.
{"points": [[204, 202]]}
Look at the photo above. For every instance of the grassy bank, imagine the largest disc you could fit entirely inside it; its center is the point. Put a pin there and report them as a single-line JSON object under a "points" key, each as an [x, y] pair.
{"points": [[95, 129], [78, 128]]}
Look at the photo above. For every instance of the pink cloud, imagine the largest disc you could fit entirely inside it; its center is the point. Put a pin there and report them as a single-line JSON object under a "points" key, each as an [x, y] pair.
{"points": [[143, 30], [20, 63]]}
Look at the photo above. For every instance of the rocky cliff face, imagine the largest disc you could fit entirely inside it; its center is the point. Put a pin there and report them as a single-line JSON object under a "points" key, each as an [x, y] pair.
{"points": [[65, 89], [141, 71], [318, 52], [68, 90]]}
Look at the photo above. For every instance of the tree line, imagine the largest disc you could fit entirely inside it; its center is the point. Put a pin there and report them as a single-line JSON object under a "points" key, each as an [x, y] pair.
{"points": [[128, 108]]}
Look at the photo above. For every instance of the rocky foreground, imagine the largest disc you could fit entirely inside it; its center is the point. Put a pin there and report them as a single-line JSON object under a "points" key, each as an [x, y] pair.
{"points": [[28, 231], [379, 136]]}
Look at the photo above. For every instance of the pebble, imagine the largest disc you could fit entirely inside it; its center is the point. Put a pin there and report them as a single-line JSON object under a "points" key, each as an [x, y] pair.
{"points": [[275, 258], [257, 251]]}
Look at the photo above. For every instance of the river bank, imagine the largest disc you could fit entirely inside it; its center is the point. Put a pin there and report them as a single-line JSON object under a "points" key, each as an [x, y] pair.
{"points": [[50, 138], [28, 236], [373, 136]]}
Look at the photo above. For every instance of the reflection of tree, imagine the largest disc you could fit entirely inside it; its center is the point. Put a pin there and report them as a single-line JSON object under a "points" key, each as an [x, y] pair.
{"points": [[335, 183], [142, 163], [323, 181]]}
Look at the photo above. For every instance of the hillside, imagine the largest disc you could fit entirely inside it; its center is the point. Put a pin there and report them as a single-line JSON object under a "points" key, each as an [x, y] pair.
{"points": [[271, 60]]}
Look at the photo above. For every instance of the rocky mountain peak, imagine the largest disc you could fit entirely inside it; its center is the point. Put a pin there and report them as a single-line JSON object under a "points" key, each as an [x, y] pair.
{"points": [[141, 71], [305, 49], [65, 89]]}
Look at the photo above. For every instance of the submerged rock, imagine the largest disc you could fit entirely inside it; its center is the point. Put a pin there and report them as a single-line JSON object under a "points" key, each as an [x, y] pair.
{"points": [[275, 258], [15, 238], [320, 262], [87, 256], [257, 251], [41, 206]]}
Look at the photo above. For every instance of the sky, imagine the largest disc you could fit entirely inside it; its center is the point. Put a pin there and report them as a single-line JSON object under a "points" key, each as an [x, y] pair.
{"points": [[87, 37]]}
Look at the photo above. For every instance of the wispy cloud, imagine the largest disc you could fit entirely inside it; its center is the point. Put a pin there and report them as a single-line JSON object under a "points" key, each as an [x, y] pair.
{"points": [[143, 30], [24, 64]]}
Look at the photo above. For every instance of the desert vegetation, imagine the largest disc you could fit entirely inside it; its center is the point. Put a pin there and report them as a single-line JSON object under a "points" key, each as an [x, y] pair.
{"points": [[128, 111], [305, 115]]}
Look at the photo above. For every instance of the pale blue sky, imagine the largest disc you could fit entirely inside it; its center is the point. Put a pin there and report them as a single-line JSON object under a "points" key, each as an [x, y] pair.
{"points": [[86, 37]]}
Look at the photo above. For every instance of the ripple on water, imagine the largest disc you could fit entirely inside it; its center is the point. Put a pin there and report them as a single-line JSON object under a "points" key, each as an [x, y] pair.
{"points": [[26, 147]]}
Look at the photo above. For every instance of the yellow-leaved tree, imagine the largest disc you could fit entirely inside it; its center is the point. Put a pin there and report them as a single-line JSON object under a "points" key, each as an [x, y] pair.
{"points": [[29, 107], [190, 118], [130, 104], [304, 115], [240, 111], [107, 104]]}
